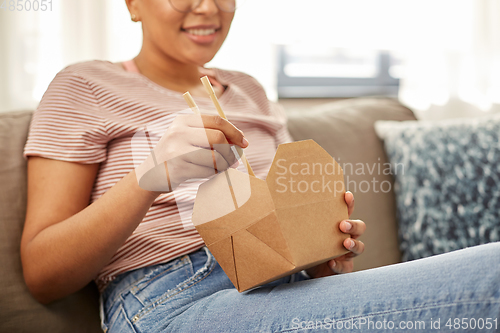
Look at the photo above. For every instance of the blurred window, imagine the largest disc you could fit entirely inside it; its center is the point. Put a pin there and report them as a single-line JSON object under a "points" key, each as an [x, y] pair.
{"points": [[306, 71]]}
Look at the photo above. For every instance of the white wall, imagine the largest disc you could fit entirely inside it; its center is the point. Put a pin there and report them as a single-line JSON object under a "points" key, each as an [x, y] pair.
{"points": [[249, 45], [451, 45], [34, 46], [16, 54]]}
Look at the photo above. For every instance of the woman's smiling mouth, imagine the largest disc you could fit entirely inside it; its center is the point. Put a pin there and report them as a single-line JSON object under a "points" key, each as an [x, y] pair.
{"points": [[200, 34]]}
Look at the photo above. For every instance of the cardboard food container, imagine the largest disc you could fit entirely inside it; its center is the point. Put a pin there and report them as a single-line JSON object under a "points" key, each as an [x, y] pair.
{"points": [[260, 231]]}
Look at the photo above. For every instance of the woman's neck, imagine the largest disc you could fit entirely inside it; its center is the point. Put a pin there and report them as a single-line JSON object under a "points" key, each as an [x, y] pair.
{"points": [[168, 72]]}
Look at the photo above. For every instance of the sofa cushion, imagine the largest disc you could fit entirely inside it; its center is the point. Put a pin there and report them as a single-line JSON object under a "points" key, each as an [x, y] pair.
{"points": [[447, 183], [345, 130], [19, 311]]}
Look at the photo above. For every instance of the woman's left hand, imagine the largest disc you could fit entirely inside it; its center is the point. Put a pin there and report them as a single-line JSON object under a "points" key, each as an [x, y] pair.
{"points": [[344, 263]]}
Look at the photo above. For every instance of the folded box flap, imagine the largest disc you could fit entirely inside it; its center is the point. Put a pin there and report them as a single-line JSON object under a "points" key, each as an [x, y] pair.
{"points": [[268, 231], [224, 227], [221, 195], [253, 255], [313, 232], [255, 261], [258, 205], [303, 173], [223, 251]]}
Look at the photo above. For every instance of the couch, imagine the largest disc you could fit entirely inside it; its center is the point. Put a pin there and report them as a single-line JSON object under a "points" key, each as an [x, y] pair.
{"points": [[343, 128]]}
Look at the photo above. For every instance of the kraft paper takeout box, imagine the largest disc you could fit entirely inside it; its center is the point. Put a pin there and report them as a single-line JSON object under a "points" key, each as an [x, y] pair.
{"points": [[260, 230]]}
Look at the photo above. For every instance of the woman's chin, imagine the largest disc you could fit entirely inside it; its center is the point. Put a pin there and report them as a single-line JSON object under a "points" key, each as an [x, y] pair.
{"points": [[202, 59], [201, 54]]}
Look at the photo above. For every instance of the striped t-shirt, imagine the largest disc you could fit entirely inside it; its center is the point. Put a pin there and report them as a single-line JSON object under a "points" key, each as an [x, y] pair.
{"points": [[94, 112]]}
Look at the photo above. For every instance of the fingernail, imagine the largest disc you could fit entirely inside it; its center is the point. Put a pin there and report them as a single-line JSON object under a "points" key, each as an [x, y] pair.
{"points": [[351, 244], [332, 263], [347, 226], [244, 142]]}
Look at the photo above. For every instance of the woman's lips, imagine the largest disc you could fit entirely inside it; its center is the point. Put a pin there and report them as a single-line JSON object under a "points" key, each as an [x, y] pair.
{"points": [[201, 35]]}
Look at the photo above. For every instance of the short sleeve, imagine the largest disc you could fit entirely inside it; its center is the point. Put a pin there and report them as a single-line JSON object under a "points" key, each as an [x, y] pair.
{"points": [[67, 125], [282, 135]]}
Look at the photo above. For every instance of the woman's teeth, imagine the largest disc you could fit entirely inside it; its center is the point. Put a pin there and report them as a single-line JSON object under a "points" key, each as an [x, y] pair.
{"points": [[201, 32]]}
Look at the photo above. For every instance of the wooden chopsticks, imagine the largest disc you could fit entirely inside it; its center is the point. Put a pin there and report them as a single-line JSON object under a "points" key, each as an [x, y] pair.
{"points": [[210, 90]]}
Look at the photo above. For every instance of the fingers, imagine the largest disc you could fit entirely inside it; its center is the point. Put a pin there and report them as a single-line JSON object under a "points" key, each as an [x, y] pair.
{"points": [[206, 158], [232, 134], [341, 266], [344, 264], [349, 200], [194, 146], [355, 246], [209, 138], [355, 228], [165, 177], [180, 171]]}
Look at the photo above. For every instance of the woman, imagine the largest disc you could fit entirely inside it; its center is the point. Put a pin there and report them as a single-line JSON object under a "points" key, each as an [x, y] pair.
{"points": [[154, 273]]}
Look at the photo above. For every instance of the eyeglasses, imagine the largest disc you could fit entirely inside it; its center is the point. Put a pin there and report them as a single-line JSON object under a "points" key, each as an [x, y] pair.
{"points": [[186, 6]]}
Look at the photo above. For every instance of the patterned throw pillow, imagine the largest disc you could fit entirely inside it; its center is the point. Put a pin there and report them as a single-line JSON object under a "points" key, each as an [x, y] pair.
{"points": [[447, 183]]}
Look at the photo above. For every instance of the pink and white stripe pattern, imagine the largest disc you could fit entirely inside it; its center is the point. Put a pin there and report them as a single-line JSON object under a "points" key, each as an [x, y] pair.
{"points": [[90, 114]]}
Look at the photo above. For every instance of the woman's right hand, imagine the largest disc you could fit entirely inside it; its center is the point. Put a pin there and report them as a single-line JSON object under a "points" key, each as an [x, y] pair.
{"points": [[194, 146], [66, 242]]}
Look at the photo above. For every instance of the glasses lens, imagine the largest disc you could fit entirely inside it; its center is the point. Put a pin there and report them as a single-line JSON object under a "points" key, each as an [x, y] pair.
{"points": [[229, 5], [184, 6]]}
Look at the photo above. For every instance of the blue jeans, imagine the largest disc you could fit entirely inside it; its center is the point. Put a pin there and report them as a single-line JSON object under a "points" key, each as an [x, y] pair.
{"points": [[457, 291]]}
